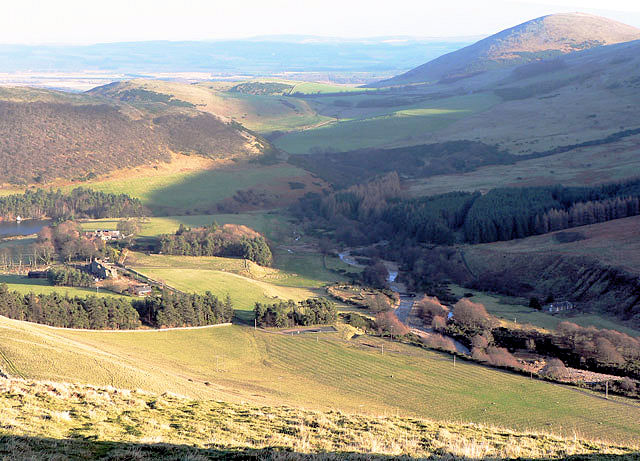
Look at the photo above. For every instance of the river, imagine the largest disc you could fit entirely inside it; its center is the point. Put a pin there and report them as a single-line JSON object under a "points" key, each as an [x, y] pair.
{"points": [[26, 227], [406, 299]]}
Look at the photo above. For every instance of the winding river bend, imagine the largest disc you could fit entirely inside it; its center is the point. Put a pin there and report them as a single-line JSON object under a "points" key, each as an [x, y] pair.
{"points": [[406, 298]]}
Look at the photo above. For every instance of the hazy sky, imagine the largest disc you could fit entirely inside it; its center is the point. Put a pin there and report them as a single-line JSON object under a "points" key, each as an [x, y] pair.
{"points": [[89, 21]]}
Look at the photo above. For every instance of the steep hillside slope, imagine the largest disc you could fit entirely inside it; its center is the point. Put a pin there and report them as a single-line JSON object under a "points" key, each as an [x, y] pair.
{"points": [[46, 135], [539, 38], [596, 266], [580, 100]]}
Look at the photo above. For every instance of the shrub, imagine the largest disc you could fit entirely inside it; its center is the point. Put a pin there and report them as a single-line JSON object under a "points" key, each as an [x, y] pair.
{"points": [[501, 357], [430, 307], [470, 316], [439, 323], [555, 369], [437, 341], [388, 323]]}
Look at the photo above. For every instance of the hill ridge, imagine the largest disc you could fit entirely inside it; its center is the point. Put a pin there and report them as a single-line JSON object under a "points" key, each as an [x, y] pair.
{"points": [[536, 39]]}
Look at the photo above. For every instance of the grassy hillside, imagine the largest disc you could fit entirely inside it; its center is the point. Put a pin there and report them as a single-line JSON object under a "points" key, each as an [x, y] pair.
{"points": [[408, 124], [570, 119], [612, 243], [593, 266], [259, 112], [239, 364], [197, 190], [90, 422]]}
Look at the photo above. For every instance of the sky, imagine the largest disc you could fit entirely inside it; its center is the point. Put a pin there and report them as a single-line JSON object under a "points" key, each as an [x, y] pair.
{"points": [[90, 21]]}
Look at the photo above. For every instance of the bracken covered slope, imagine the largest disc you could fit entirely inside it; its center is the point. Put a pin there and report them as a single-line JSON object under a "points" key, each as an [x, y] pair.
{"points": [[46, 135]]}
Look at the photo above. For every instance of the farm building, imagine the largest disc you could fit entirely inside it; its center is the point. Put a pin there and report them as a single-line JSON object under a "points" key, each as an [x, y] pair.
{"points": [[103, 270], [560, 306], [103, 234], [140, 290]]}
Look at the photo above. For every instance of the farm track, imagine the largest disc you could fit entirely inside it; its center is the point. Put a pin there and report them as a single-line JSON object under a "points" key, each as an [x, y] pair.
{"points": [[11, 368]]}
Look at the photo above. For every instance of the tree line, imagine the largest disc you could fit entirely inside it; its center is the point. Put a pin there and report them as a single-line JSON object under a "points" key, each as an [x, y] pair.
{"points": [[376, 211], [604, 351], [79, 203], [184, 310], [226, 241], [167, 310], [63, 311], [312, 311]]}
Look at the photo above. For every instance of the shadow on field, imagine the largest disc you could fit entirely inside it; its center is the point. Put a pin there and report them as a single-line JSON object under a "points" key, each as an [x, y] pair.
{"points": [[22, 448]]}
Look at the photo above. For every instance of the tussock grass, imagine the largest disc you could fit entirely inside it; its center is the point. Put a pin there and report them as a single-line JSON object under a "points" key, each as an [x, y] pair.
{"points": [[34, 411]]}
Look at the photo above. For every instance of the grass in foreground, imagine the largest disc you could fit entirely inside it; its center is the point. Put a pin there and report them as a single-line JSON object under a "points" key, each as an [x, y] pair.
{"points": [[42, 419], [325, 372]]}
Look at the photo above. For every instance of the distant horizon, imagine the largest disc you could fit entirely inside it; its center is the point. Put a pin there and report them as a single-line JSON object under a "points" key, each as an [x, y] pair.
{"points": [[86, 23], [257, 38]]}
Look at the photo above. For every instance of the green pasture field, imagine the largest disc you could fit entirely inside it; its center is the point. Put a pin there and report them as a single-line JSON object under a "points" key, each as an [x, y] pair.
{"points": [[265, 114], [269, 224], [192, 191], [325, 372], [25, 285], [396, 127], [320, 88]]}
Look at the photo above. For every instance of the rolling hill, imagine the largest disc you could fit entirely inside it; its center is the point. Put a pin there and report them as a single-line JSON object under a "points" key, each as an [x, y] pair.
{"points": [[540, 38], [47, 135]]}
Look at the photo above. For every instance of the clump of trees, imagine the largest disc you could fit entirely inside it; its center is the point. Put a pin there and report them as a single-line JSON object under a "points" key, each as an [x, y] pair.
{"points": [[312, 311], [166, 310], [79, 203], [228, 241], [67, 240], [69, 276], [184, 310]]}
